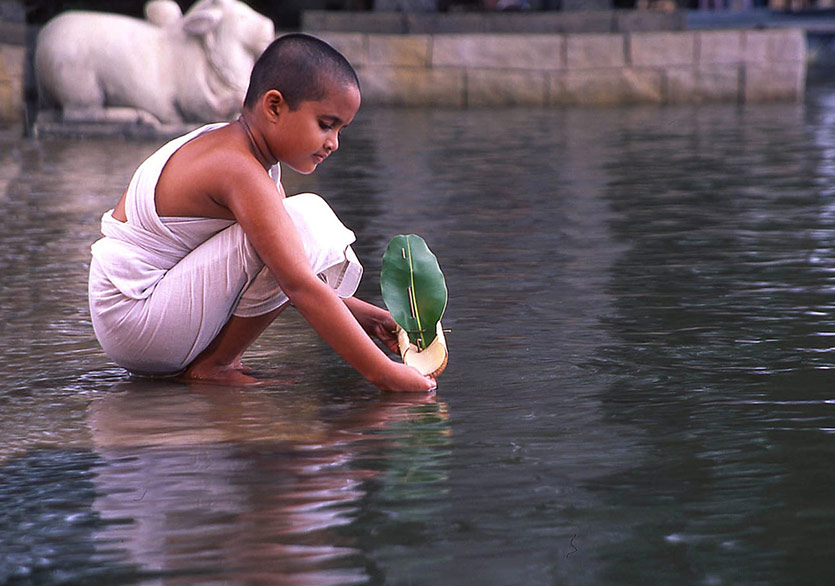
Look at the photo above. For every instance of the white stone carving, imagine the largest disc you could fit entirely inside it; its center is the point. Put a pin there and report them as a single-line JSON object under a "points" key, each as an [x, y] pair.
{"points": [[166, 69]]}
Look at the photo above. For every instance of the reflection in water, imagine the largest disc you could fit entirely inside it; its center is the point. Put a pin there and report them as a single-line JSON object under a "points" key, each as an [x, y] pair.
{"points": [[639, 387], [233, 486], [244, 486]]}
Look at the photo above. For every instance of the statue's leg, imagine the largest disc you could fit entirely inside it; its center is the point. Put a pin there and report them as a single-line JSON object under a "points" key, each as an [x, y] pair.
{"points": [[75, 88]]}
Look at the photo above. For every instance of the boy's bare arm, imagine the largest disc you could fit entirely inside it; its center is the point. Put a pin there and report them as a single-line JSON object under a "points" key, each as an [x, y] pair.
{"points": [[252, 198]]}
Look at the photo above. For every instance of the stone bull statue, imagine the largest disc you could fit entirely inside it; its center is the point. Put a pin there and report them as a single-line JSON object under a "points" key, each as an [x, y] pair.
{"points": [[167, 69]]}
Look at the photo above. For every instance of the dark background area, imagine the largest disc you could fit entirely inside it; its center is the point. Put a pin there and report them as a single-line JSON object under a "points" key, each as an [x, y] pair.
{"points": [[285, 13]]}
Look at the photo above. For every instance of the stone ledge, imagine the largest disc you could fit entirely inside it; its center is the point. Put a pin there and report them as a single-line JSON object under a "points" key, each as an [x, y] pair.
{"points": [[590, 69], [595, 51], [662, 49], [354, 46], [718, 82], [543, 52], [772, 82], [412, 86], [720, 47], [712, 83], [609, 87], [774, 45], [399, 50], [497, 87]]}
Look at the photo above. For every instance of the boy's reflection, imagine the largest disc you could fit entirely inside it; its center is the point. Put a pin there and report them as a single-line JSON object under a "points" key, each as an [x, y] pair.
{"points": [[249, 483]]}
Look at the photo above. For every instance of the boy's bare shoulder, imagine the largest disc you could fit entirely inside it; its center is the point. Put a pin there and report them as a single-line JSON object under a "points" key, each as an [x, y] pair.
{"points": [[224, 145], [204, 175], [232, 161], [219, 158]]}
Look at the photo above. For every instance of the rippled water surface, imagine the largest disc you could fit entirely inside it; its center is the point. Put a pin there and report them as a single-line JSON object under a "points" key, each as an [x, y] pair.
{"points": [[640, 389]]}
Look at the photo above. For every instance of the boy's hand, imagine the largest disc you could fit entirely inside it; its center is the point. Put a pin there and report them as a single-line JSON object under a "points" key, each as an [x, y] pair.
{"points": [[386, 332], [377, 322], [405, 378]]}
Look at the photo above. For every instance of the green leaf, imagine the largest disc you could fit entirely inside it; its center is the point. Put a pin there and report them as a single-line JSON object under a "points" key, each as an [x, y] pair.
{"points": [[413, 287]]}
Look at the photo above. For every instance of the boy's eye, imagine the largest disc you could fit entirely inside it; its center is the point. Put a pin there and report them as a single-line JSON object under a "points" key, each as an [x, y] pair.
{"points": [[325, 125]]}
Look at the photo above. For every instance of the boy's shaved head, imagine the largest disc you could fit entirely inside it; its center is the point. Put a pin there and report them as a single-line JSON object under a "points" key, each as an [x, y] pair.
{"points": [[301, 67]]}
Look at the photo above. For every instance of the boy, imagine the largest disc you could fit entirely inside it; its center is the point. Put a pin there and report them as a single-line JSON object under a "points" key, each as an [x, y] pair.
{"points": [[204, 250]]}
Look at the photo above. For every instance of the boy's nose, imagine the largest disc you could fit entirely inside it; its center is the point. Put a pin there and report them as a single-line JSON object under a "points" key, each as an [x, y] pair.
{"points": [[331, 144]]}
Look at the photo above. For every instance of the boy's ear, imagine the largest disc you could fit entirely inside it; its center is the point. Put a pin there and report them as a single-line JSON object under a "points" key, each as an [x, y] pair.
{"points": [[273, 104]]}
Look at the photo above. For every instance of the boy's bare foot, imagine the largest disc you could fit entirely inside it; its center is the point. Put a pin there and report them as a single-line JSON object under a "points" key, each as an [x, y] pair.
{"points": [[237, 374], [234, 374], [241, 367]]}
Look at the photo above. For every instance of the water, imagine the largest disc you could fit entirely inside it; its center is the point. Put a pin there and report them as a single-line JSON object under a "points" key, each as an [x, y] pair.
{"points": [[640, 388]]}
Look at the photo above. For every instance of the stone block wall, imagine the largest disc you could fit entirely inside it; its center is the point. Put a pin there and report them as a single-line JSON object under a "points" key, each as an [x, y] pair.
{"points": [[12, 67], [595, 69], [599, 69]]}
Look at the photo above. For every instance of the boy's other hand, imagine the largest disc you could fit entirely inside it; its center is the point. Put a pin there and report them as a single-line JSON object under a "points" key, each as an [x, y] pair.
{"points": [[387, 334], [376, 321]]}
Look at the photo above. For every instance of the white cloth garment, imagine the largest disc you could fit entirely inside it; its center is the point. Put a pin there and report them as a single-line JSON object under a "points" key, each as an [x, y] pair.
{"points": [[161, 289]]}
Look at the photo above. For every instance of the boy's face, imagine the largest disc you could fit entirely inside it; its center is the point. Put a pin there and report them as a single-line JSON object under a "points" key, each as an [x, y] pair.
{"points": [[305, 137]]}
